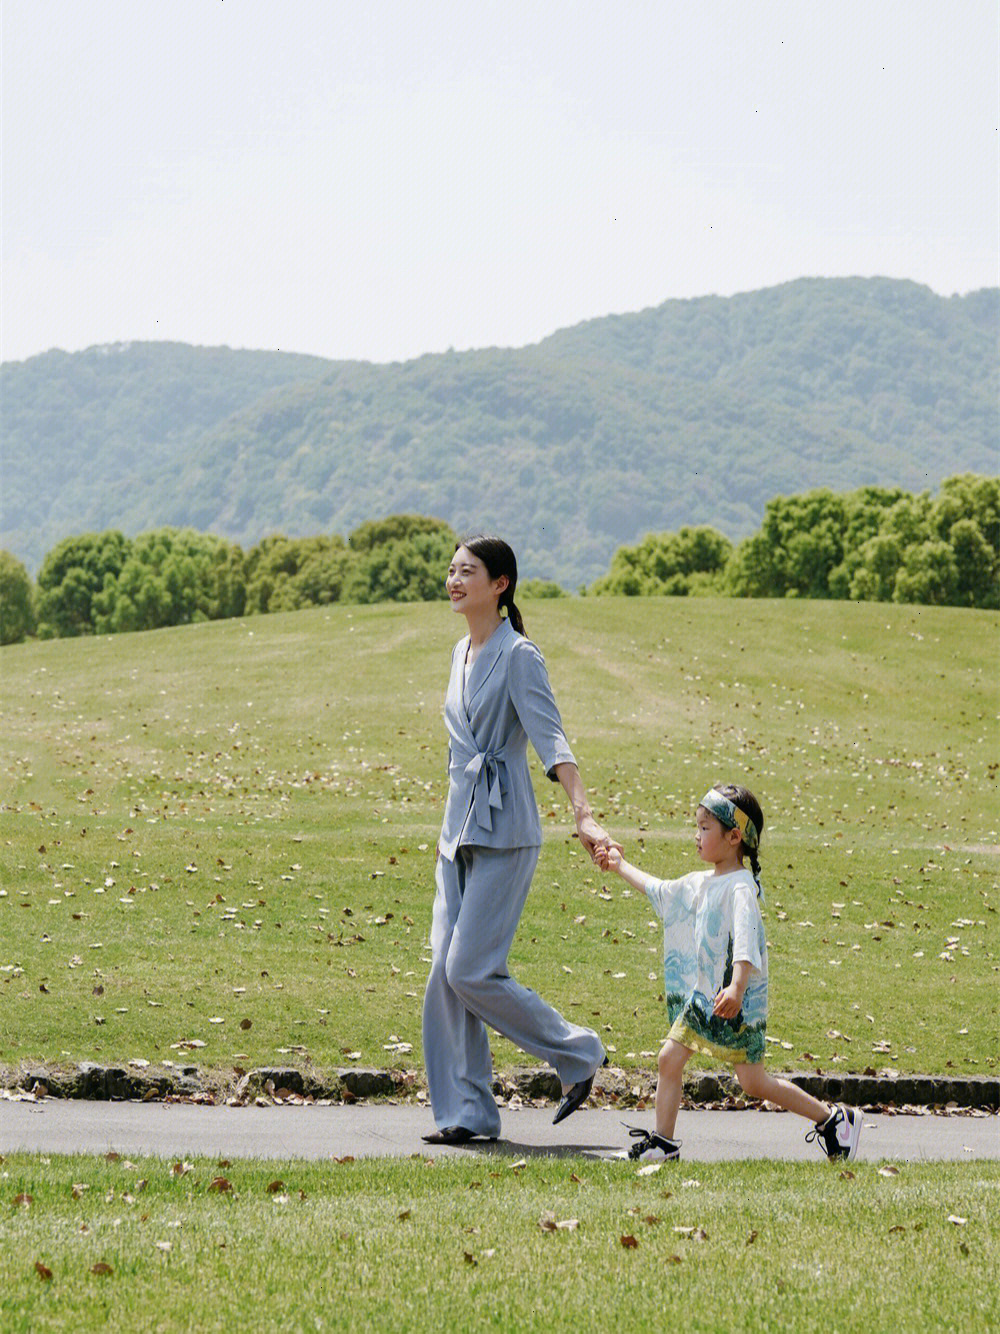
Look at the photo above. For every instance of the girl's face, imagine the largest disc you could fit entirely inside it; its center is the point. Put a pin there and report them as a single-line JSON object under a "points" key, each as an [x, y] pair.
{"points": [[470, 588], [714, 842]]}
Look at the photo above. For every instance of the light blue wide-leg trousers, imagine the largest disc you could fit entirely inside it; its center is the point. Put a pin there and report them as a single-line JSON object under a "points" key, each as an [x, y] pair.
{"points": [[478, 904]]}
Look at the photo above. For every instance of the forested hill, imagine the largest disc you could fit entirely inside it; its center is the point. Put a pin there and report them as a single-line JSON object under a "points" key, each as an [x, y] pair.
{"points": [[694, 412]]}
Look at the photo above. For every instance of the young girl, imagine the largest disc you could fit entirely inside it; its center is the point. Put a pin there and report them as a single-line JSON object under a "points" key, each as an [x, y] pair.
{"points": [[715, 970]]}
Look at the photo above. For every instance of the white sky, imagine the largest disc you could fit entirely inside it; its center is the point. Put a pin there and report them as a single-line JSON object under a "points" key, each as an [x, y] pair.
{"points": [[383, 178]]}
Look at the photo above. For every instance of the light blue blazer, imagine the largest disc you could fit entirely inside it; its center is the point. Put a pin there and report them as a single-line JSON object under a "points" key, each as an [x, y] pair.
{"points": [[491, 711]]}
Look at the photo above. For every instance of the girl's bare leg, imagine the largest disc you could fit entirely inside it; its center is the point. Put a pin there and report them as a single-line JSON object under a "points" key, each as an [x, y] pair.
{"points": [[673, 1058], [755, 1080]]}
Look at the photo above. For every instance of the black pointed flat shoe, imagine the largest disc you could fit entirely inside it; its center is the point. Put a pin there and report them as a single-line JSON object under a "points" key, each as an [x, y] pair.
{"points": [[575, 1098], [455, 1135]]}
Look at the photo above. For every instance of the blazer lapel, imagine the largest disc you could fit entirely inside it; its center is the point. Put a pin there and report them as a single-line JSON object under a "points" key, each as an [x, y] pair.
{"points": [[489, 655]]}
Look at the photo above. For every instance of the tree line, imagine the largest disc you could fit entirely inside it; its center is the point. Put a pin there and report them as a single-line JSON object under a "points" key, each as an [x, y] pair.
{"points": [[873, 544]]}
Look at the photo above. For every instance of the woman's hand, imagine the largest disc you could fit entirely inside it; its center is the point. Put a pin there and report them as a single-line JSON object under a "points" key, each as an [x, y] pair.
{"points": [[595, 839], [608, 858]]}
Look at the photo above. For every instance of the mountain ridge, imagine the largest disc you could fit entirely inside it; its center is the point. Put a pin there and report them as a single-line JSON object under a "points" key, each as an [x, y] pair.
{"points": [[695, 411]]}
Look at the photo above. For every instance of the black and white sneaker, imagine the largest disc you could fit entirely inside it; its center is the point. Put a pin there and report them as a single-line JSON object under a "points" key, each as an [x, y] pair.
{"points": [[838, 1135], [649, 1147]]}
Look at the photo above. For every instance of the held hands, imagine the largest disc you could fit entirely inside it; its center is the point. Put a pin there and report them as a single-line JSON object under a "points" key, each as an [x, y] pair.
{"points": [[597, 842], [608, 858]]}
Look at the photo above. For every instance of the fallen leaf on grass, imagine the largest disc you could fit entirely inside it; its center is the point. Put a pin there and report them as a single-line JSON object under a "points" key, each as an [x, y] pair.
{"points": [[181, 1169], [43, 1271], [847, 1175], [888, 1171], [629, 1242], [519, 1166], [275, 1187], [403, 1215], [649, 1169], [959, 1222], [101, 1268], [164, 1245], [752, 1237], [24, 1199], [470, 1259], [221, 1185]]}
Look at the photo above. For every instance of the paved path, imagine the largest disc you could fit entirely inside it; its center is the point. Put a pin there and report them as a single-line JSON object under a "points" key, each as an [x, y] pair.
{"points": [[380, 1130]]}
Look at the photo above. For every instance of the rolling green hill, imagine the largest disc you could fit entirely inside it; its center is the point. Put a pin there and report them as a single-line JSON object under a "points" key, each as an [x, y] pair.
{"points": [[236, 821], [694, 412]]}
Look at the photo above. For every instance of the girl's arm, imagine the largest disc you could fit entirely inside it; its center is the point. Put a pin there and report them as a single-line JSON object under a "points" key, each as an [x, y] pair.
{"points": [[729, 1000], [614, 861]]}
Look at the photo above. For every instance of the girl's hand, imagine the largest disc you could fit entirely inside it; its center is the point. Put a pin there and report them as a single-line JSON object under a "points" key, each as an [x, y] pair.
{"points": [[609, 859], [728, 1002], [594, 838]]}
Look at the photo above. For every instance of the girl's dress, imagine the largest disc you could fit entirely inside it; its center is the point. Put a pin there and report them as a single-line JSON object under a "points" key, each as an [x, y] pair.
{"points": [[709, 921]]}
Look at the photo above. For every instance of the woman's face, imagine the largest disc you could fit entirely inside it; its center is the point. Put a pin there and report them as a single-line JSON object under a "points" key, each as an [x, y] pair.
{"points": [[470, 588]]}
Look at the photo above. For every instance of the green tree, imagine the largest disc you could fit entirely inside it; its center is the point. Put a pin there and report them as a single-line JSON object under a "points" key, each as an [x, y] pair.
{"points": [[284, 573], [876, 565], [410, 569], [173, 576], [72, 575], [667, 564], [17, 600], [929, 575], [976, 583], [396, 528]]}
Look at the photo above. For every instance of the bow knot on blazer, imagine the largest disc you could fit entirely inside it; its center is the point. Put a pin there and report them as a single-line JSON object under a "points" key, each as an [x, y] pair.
{"points": [[491, 711]]}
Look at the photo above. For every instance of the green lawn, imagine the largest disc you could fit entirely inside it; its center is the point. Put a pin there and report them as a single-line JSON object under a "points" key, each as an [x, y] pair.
{"points": [[490, 1244], [224, 834]]}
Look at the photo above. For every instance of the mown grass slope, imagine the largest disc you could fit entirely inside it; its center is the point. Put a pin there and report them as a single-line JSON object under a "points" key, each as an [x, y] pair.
{"points": [[224, 834]]}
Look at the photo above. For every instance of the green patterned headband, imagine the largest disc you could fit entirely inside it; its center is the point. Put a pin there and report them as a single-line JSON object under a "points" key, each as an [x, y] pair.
{"points": [[730, 815]]}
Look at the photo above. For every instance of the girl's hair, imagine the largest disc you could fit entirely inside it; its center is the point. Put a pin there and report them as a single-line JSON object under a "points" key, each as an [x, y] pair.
{"points": [[743, 798], [499, 559]]}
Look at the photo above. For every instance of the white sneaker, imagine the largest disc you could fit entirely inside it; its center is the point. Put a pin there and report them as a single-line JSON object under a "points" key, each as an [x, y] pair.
{"points": [[838, 1135], [649, 1147]]}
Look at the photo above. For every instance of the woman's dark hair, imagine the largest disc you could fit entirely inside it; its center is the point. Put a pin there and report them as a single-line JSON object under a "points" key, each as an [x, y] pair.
{"points": [[743, 798], [499, 560]]}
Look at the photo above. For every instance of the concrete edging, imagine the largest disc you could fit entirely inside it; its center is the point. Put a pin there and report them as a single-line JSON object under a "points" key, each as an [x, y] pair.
{"points": [[613, 1085]]}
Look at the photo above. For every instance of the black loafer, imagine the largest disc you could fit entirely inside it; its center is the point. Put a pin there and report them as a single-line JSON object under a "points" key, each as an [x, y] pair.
{"points": [[455, 1135], [575, 1098]]}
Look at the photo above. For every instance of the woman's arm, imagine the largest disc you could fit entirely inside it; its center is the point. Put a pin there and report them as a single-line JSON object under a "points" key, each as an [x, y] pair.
{"points": [[592, 836]]}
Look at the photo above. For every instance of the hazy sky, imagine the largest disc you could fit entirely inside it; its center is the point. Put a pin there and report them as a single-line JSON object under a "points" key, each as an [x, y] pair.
{"points": [[383, 178]]}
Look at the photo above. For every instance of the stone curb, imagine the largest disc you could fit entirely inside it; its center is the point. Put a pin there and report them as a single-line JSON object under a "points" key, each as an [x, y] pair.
{"points": [[613, 1085]]}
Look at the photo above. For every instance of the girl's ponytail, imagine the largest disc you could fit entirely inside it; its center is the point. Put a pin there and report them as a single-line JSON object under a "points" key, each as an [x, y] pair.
{"points": [[743, 798], [754, 865]]}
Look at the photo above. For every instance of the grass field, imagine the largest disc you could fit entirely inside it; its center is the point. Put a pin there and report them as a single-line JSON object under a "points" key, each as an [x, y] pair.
{"points": [[489, 1244], [216, 842]]}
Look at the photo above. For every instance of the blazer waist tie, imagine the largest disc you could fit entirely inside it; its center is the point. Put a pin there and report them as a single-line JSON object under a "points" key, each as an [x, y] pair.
{"points": [[487, 772]]}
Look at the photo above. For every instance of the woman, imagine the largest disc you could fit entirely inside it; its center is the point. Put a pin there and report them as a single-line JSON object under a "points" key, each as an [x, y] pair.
{"points": [[498, 698]]}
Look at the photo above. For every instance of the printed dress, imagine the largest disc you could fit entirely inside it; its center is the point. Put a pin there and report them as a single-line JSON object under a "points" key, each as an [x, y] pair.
{"points": [[708, 921]]}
